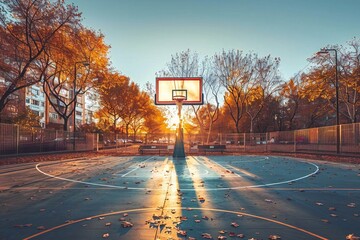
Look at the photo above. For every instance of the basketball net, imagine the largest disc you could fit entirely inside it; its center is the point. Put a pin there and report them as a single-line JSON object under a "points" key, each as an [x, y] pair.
{"points": [[179, 103]]}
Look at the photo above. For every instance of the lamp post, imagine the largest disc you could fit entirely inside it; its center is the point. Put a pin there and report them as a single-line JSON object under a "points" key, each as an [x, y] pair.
{"points": [[337, 96], [84, 63]]}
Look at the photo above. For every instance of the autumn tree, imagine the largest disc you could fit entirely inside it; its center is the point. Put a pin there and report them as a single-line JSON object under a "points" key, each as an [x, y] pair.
{"points": [[155, 122], [268, 118], [113, 96], [27, 119], [267, 83], [211, 90], [26, 34], [350, 81], [188, 64], [134, 108], [236, 73], [80, 56], [182, 64], [292, 99], [141, 109], [321, 80], [123, 103]]}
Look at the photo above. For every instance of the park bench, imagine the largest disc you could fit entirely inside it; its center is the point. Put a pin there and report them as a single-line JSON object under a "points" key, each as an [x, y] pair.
{"points": [[153, 149], [212, 148]]}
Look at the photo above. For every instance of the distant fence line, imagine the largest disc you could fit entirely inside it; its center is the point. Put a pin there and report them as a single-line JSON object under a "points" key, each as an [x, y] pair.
{"points": [[15, 139]]}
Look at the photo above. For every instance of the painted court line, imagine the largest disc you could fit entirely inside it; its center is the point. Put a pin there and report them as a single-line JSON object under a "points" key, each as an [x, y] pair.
{"points": [[227, 170], [179, 208], [76, 181], [242, 171], [186, 189], [136, 167]]}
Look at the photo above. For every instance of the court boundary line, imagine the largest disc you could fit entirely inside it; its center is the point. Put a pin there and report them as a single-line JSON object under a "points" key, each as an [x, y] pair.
{"points": [[178, 208]]}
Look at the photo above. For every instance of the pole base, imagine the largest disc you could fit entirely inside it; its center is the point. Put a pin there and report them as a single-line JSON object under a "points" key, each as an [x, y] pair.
{"points": [[179, 149]]}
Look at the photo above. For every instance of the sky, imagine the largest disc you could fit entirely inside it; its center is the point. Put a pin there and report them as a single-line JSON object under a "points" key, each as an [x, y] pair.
{"points": [[143, 34]]}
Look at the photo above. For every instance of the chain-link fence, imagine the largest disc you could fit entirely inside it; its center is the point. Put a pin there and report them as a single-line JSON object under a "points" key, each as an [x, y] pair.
{"points": [[312, 140], [15, 139]]}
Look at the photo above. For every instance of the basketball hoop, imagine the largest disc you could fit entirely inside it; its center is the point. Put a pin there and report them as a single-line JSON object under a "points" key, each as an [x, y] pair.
{"points": [[170, 90], [179, 91], [179, 96]]}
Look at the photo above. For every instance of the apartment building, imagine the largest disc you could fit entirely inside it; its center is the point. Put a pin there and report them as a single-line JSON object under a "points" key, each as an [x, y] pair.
{"points": [[14, 106], [92, 105], [34, 97]]}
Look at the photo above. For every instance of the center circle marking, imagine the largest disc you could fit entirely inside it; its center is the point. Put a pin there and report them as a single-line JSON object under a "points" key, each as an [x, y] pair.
{"points": [[182, 189]]}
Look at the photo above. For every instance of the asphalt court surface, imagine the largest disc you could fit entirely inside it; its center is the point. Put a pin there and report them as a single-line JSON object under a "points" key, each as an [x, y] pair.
{"points": [[201, 197]]}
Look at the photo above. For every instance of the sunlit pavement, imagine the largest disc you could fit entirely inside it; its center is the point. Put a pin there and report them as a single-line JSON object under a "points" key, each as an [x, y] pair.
{"points": [[151, 197]]}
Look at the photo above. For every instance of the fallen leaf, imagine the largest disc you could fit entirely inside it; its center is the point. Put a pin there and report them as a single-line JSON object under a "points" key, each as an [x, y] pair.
{"points": [[126, 224], [206, 235], [274, 237], [234, 224], [182, 232], [352, 237]]}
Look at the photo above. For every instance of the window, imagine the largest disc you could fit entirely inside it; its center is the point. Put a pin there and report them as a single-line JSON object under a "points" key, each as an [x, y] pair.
{"points": [[12, 108], [54, 115], [35, 91], [36, 112], [27, 100], [78, 113], [14, 97], [35, 102]]}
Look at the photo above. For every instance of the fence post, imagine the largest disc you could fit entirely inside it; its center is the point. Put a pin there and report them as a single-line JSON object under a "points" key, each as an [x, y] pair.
{"points": [[266, 141], [17, 138], [116, 140], [97, 142], [244, 141], [294, 141], [340, 138]]}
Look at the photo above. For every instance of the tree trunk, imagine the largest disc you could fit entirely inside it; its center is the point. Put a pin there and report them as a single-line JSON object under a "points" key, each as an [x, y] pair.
{"points": [[65, 127], [209, 132]]}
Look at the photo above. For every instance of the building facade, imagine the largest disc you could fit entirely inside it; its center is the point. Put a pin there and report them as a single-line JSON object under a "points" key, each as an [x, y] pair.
{"points": [[35, 99]]}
